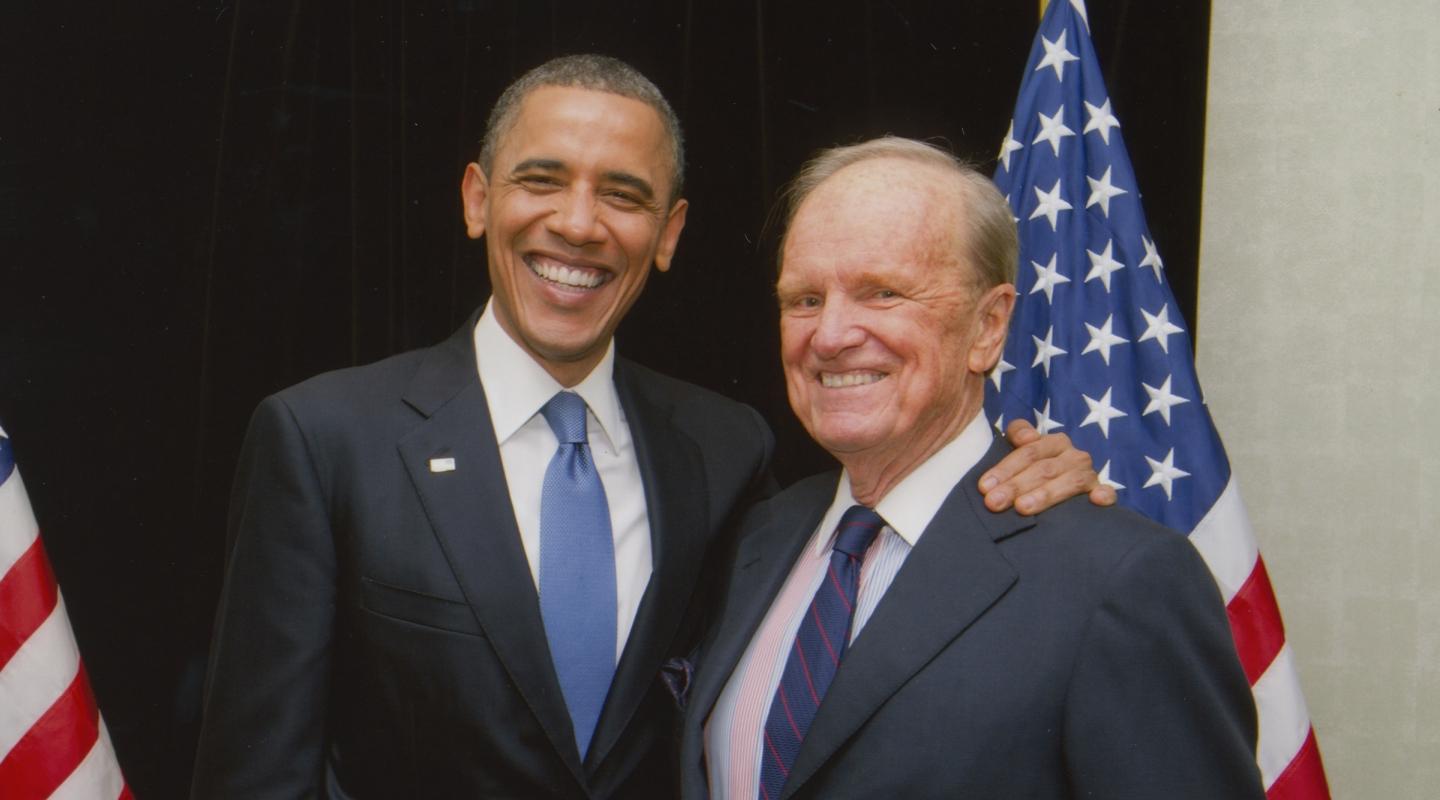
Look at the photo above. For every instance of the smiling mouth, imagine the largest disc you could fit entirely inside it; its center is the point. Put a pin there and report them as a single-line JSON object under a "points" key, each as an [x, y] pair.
{"points": [[565, 275], [841, 380]]}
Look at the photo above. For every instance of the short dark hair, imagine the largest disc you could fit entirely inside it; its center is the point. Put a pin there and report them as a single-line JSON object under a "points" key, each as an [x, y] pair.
{"points": [[596, 73], [994, 244]]}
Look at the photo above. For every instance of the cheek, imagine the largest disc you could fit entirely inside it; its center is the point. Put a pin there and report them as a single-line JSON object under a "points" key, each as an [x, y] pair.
{"points": [[637, 237], [794, 339]]}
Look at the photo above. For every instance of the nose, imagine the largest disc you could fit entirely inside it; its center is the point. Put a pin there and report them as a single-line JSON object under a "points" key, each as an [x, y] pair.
{"points": [[576, 218], [837, 328]]}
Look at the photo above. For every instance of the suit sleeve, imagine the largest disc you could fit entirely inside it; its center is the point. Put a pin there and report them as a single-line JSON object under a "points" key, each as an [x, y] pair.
{"points": [[1158, 705], [266, 689], [763, 485]]}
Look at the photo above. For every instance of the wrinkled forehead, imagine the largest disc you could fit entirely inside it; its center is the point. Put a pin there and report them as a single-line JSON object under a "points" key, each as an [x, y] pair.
{"points": [[883, 204]]}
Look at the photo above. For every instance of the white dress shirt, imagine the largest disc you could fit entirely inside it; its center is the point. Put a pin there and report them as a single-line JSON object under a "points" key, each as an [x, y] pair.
{"points": [[516, 388], [735, 730]]}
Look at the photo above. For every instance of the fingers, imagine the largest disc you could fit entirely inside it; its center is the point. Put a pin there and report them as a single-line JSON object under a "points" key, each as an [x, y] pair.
{"points": [[1030, 449], [1020, 432], [1104, 495], [1041, 472]]}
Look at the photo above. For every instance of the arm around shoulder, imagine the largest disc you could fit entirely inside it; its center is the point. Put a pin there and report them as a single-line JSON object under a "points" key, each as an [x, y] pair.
{"points": [[266, 688]]}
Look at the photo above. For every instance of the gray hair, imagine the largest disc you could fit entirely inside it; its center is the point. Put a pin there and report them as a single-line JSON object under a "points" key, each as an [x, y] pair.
{"points": [[586, 71], [994, 244]]}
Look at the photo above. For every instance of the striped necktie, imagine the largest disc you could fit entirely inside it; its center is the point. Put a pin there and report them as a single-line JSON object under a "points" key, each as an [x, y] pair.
{"points": [[820, 643]]}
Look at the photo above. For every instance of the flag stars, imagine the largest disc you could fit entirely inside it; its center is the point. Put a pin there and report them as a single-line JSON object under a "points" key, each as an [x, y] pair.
{"points": [[1103, 338], [1105, 478], [1047, 277], [1101, 190], [1053, 129], [999, 370], [1043, 422], [1164, 473], [1152, 258], [1057, 55], [1101, 412], [1050, 204], [1102, 264], [1162, 399], [1101, 120], [1009, 145], [1159, 327], [1045, 350]]}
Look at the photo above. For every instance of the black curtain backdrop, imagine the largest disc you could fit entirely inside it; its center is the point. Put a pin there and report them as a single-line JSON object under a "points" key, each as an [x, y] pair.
{"points": [[201, 203]]}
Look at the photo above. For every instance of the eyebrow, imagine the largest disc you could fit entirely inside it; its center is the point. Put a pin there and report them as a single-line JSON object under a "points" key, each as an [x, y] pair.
{"points": [[635, 182], [542, 164], [640, 185]]}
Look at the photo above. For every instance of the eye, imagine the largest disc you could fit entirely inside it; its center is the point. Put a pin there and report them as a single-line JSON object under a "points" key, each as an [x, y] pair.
{"points": [[799, 302], [538, 182], [623, 199], [886, 294]]}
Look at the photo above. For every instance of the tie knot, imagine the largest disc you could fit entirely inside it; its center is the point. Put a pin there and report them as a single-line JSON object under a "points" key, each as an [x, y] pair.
{"points": [[566, 414], [858, 528]]}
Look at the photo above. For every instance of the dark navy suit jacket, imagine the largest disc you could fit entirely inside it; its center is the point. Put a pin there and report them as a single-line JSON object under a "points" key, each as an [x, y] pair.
{"points": [[1083, 652], [379, 633]]}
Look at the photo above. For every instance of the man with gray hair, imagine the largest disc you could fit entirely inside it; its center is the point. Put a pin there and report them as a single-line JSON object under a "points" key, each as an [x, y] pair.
{"points": [[882, 634], [458, 572]]}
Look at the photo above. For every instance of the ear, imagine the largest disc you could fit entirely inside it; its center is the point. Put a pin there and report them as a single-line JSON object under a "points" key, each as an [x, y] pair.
{"points": [[670, 237], [992, 321], [474, 190]]}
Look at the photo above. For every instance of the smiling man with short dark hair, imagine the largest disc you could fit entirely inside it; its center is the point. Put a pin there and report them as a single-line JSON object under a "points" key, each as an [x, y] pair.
{"points": [[458, 572]]}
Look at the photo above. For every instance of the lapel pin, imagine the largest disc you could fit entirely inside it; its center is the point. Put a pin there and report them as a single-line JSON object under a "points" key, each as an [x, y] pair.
{"points": [[442, 465]]}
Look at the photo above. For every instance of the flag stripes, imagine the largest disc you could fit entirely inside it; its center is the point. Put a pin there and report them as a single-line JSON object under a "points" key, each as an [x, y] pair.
{"points": [[1284, 720], [53, 743], [28, 595], [1304, 778], [1098, 349], [1255, 623], [38, 675]]}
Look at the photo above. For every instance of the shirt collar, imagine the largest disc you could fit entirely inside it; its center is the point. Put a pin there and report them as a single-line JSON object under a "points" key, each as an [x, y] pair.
{"points": [[517, 387], [913, 503]]}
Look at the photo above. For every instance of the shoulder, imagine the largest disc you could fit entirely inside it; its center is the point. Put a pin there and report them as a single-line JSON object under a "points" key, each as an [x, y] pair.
{"points": [[809, 495], [349, 401], [356, 385], [1098, 546], [709, 417]]}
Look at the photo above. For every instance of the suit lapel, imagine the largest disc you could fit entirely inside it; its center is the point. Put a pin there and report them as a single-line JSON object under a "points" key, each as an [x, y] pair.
{"points": [[763, 561], [469, 510], [952, 577], [676, 501]]}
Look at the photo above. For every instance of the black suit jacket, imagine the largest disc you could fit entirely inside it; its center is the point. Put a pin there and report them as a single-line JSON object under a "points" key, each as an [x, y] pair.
{"points": [[1080, 653], [379, 633]]}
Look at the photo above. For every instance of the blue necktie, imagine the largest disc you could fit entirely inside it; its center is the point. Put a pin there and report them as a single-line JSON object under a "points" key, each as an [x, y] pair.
{"points": [[577, 569], [820, 643]]}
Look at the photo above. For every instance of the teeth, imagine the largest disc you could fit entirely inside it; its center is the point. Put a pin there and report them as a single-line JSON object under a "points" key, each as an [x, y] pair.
{"points": [[833, 380], [566, 276]]}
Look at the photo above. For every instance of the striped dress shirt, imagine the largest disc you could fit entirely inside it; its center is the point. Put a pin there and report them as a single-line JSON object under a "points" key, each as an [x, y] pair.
{"points": [[735, 730]]}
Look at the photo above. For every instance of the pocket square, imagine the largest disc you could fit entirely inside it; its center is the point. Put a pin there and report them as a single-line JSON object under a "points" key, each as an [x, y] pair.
{"points": [[676, 672]]}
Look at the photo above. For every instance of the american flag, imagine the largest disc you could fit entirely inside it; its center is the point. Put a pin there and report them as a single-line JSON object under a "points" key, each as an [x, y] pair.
{"points": [[53, 743], [1099, 350]]}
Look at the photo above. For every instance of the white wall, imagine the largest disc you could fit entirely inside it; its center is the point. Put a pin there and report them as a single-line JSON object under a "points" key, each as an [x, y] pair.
{"points": [[1319, 350]]}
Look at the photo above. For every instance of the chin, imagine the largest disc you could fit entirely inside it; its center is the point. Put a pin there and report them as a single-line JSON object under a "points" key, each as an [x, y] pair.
{"points": [[840, 443]]}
